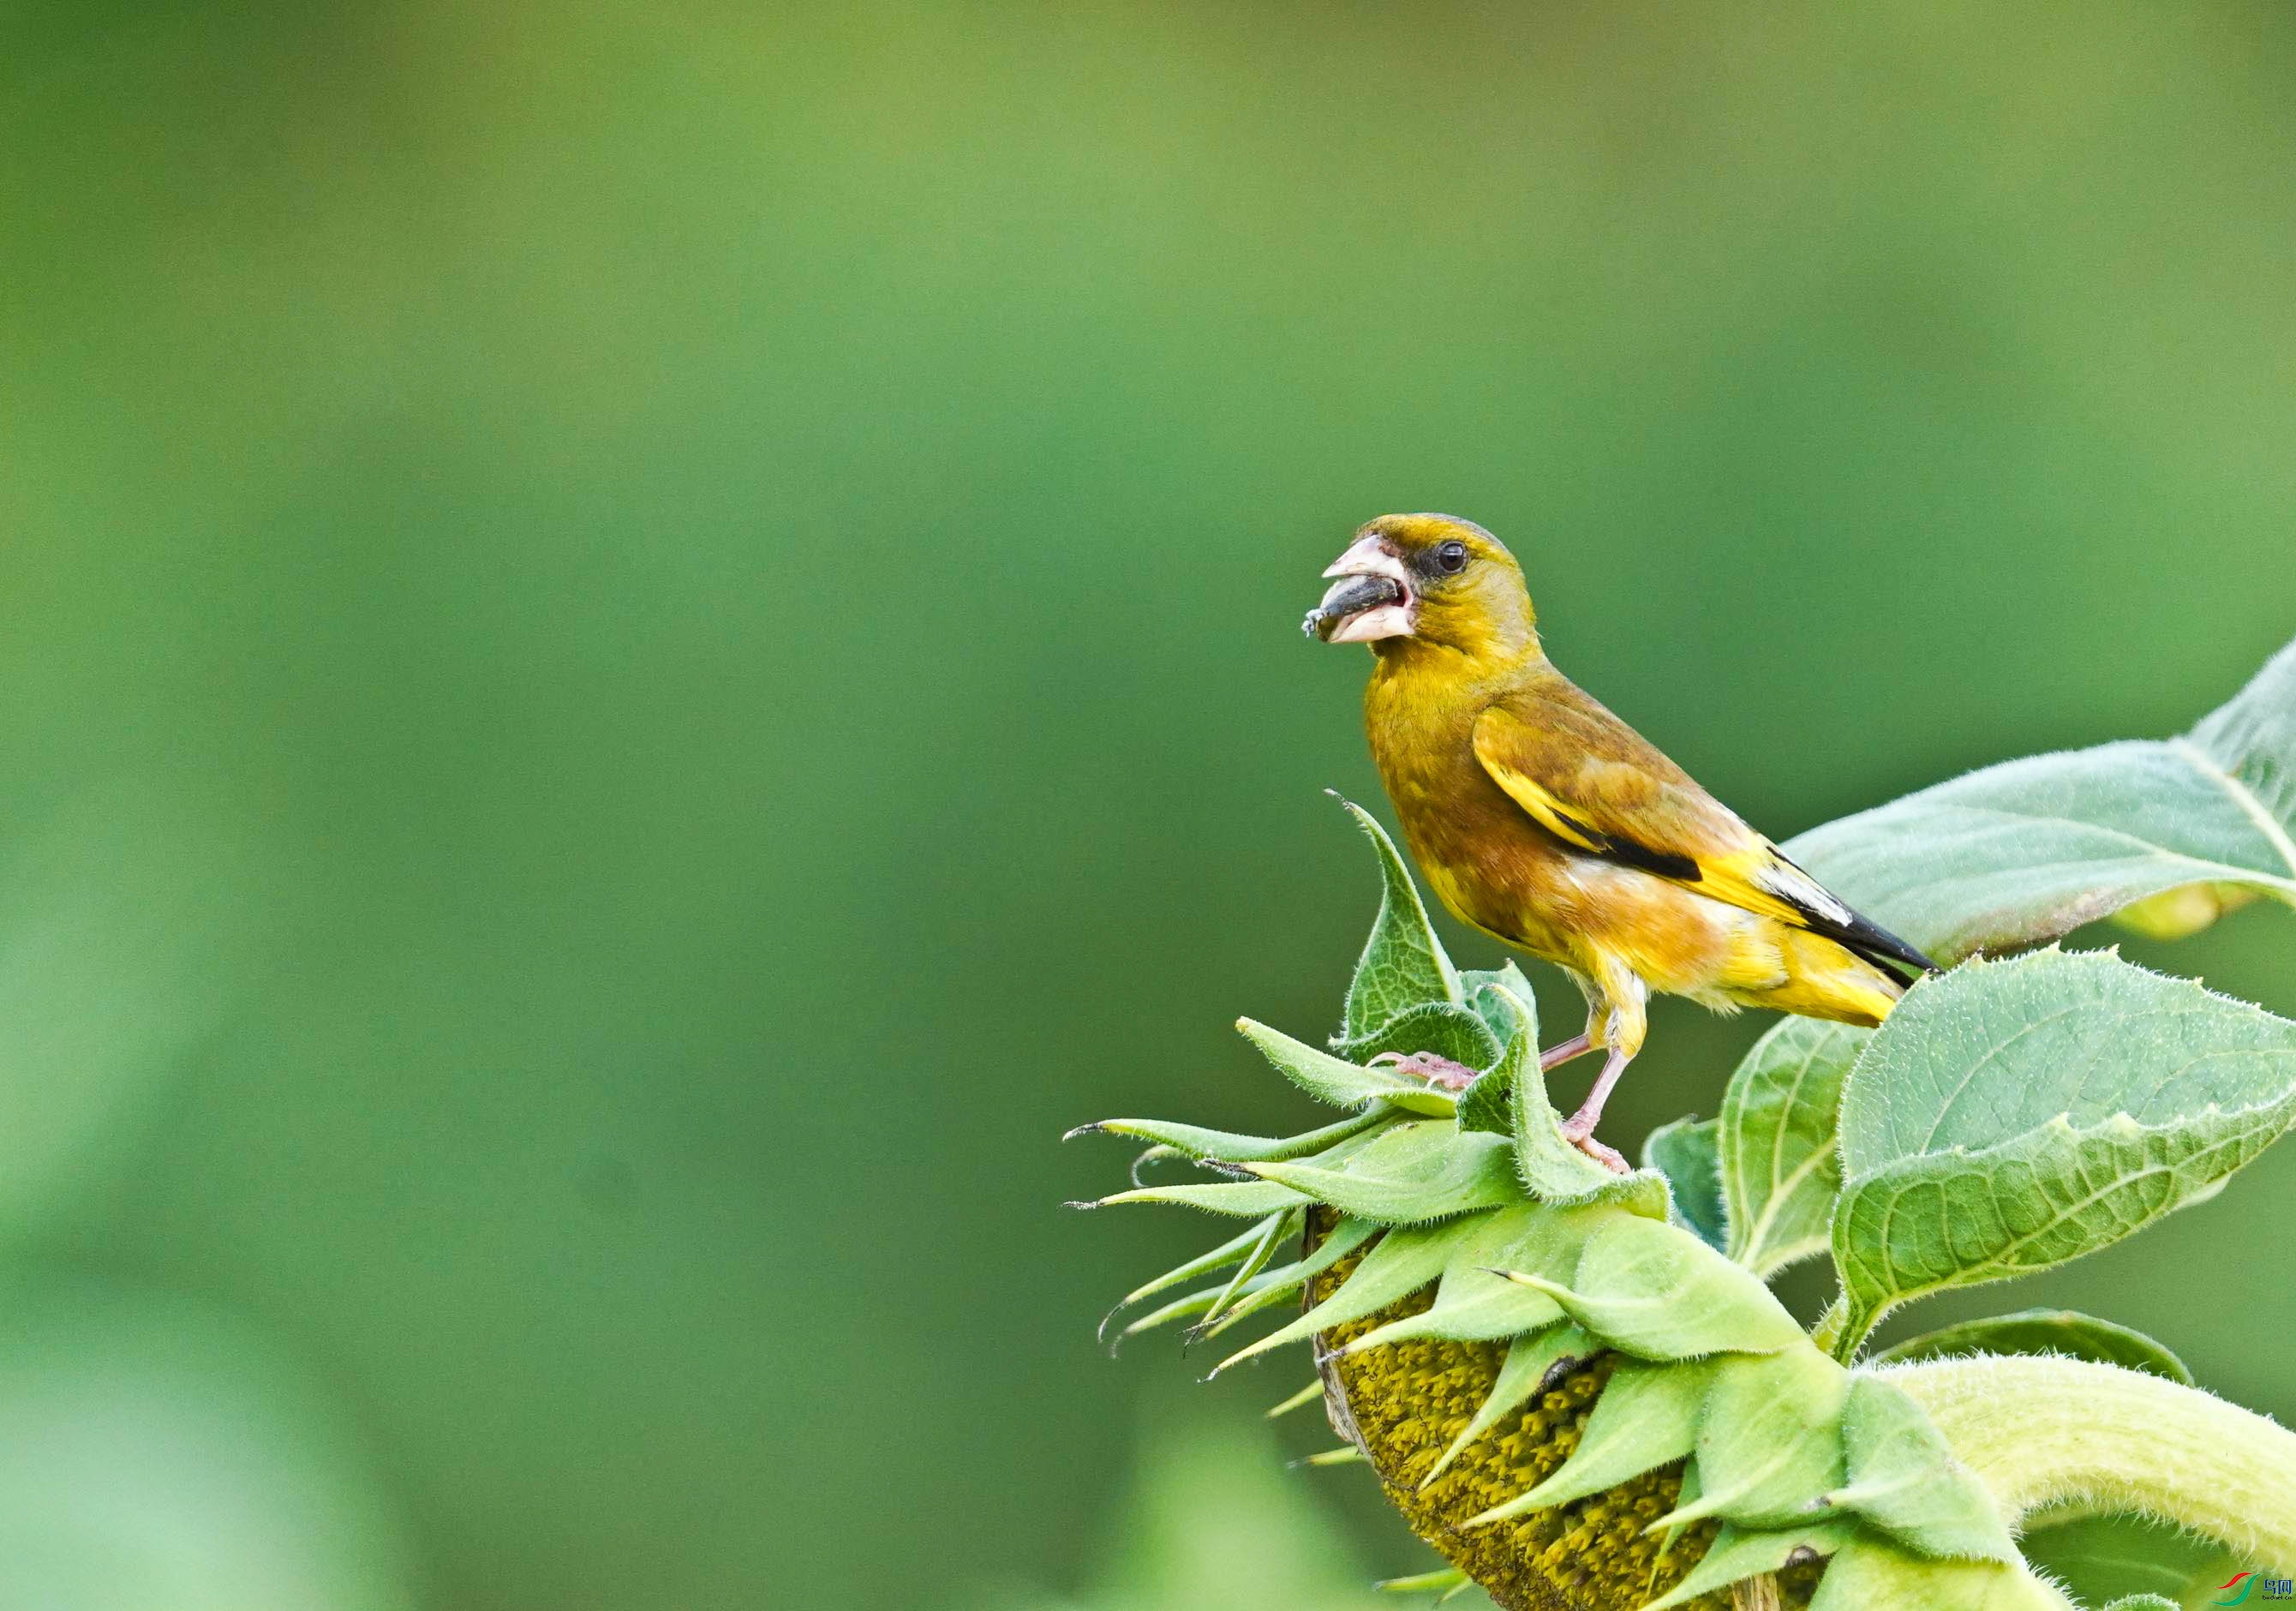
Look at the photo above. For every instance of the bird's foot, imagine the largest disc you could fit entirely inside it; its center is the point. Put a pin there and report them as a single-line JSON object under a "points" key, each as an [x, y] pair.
{"points": [[1441, 1072], [1578, 1130]]}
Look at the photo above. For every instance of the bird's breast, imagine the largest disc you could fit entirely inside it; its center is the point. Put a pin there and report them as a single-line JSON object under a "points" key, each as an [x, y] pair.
{"points": [[1487, 861]]}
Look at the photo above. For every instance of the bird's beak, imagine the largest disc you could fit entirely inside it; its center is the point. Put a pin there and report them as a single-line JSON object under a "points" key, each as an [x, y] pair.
{"points": [[1371, 600]]}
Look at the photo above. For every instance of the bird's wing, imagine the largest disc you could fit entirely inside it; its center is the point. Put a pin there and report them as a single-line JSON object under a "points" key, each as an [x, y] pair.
{"points": [[1593, 782]]}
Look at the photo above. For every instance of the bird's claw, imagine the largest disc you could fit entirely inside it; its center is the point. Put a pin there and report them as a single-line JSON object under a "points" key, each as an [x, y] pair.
{"points": [[1442, 1072], [1578, 1130], [1609, 1157]]}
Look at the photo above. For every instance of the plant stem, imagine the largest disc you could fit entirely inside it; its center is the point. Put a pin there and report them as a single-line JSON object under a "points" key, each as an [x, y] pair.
{"points": [[2040, 1430], [1759, 1593], [1827, 1333]]}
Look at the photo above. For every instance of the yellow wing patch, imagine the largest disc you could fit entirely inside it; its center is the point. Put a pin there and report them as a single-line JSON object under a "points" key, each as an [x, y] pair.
{"points": [[1545, 810], [1729, 876]]}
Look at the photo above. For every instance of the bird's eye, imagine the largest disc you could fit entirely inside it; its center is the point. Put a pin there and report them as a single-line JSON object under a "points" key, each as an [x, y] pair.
{"points": [[1451, 558]]}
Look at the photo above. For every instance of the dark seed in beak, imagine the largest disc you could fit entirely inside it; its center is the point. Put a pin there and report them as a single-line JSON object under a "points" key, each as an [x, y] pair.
{"points": [[1350, 595]]}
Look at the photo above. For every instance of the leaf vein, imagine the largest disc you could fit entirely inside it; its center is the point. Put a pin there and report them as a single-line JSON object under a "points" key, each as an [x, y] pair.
{"points": [[2243, 797]]}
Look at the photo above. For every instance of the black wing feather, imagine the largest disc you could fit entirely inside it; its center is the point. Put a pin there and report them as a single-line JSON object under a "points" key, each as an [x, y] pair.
{"points": [[1864, 937]]}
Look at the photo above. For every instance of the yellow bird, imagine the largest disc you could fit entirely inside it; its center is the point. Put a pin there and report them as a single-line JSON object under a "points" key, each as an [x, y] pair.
{"points": [[1549, 824]]}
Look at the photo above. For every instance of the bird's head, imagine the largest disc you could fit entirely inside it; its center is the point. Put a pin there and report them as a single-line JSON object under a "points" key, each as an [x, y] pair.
{"points": [[1428, 579]]}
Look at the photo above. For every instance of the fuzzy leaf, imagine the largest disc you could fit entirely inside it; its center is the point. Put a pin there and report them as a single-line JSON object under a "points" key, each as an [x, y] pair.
{"points": [[2014, 1115], [1198, 1302], [1219, 1258], [1153, 1155], [1498, 996], [1686, 1152], [1432, 1026], [1552, 1170], [1646, 1417], [1299, 1401], [1471, 1304], [2065, 1331], [1870, 1574], [1657, 1293], [1255, 1260], [1769, 1439], [1739, 1552], [1404, 964], [1780, 1169], [1532, 1362], [1903, 1479], [1191, 1141], [1489, 1104], [1250, 1197], [1404, 1262], [2099, 1558], [1276, 1286], [1686, 1494], [2033, 848], [1441, 1582], [1337, 1081], [1409, 1173]]}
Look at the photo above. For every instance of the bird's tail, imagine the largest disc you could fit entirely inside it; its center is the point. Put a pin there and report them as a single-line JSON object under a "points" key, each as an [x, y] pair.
{"points": [[1827, 979]]}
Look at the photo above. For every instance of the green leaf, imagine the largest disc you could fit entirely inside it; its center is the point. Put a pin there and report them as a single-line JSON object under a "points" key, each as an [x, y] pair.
{"points": [[1299, 1401], [1871, 1574], [1903, 1479], [1277, 1285], [2252, 737], [1769, 1439], [2014, 1115], [1552, 1170], [1498, 996], [1403, 966], [1686, 1152], [1278, 1227], [1198, 1302], [1410, 1172], [1252, 1198], [1686, 1493], [1403, 1261], [1646, 1417], [1489, 1103], [1191, 1141], [1654, 1292], [1441, 1582], [1337, 1081], [1219, 1258], [2063, 1331], [1780, 1169], [1432, 1026], [1740, 1552], [1471, 1304], [2100, 1558], [2032, 848]]}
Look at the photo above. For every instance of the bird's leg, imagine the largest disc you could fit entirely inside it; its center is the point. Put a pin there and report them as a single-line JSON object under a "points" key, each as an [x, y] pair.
{"points": [[1554, 1057], [1578, 1128], [1442, 1072]]}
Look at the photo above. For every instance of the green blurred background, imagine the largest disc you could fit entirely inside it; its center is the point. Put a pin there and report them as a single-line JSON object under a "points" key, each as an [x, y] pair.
{"points": [[641, 646]]}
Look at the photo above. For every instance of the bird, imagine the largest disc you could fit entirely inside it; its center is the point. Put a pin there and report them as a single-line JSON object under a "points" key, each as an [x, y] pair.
{"points": [[1545, 821]]}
